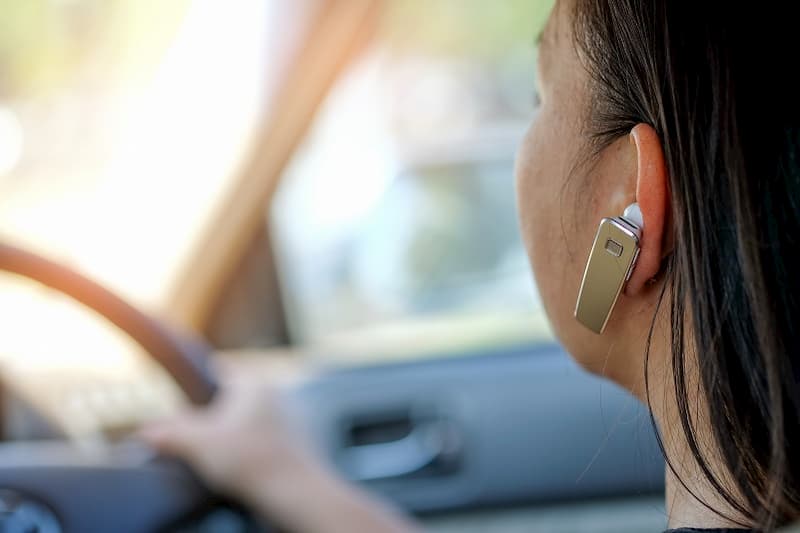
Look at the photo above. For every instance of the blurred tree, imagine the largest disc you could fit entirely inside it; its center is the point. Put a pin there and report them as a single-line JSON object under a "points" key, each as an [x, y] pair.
{"points": [[43, 43], [474, 28]]}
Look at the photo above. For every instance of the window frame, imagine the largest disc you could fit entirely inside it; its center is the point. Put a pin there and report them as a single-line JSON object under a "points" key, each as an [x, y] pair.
{"points": [[336, 33]]}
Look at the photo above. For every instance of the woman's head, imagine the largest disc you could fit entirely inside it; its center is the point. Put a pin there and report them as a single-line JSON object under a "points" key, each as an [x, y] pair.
{"points": [[691, 109]]}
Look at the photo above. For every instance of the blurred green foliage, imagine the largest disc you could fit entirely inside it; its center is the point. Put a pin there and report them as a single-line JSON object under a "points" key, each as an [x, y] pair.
{"points": [[485, 29], [44, 42]]}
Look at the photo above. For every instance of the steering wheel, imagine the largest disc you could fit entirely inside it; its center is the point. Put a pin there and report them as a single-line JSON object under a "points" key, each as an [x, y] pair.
{"points": [[57, 488]]}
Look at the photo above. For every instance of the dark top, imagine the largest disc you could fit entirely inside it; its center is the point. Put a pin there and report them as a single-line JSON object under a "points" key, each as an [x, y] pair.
{"points": [[696, 530]]}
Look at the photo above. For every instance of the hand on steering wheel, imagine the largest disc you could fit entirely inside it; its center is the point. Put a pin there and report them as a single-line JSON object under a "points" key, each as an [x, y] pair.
{"points": [[248, 444]]}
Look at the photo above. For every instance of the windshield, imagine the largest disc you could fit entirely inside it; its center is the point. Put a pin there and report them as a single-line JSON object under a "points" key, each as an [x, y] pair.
{"points": [[121, 124], [119, 116], [396, 225]]}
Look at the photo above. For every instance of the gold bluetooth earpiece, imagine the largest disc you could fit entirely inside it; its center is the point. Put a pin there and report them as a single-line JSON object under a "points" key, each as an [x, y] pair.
{"points": [[611, 262]]}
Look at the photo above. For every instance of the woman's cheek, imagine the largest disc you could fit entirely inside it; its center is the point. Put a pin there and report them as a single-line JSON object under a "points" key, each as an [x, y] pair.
{"points": [[538, 184], [547, 220]]}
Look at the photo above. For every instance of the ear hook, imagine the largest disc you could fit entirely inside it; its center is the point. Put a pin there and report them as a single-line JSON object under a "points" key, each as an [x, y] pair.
{"points": [[610, 264]]}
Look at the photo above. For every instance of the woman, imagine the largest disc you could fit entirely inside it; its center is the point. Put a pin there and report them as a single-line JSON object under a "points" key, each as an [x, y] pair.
{"points": [[690, 110]]}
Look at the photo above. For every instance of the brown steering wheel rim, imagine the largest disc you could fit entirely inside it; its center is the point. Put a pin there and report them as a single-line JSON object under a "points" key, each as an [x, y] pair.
{"points": [[185, 357]]}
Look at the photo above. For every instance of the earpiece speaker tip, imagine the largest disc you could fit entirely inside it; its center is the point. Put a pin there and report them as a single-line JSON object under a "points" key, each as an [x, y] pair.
{"points": [[633, 215]]}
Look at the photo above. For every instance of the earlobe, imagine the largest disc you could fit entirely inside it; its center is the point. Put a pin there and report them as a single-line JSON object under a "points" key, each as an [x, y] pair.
{"points": [[652, 195]]}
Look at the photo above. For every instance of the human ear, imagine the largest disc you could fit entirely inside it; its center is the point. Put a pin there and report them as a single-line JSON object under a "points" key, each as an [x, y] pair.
{"points": [[652, 195]]}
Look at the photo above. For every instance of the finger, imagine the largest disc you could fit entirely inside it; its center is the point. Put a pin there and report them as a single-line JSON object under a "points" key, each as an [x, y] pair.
{"points": [[179, 436]]}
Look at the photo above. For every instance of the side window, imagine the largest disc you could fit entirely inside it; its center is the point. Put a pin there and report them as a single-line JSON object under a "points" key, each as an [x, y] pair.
{"points": [[395, 226]]}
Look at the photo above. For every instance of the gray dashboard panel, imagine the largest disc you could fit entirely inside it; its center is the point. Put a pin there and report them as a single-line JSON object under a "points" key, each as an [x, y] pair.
{"points": [[530, 426], [120, 489]]}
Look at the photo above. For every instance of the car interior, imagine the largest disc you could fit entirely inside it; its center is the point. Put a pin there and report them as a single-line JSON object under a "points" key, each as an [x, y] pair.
{"points": [[321, 190]]}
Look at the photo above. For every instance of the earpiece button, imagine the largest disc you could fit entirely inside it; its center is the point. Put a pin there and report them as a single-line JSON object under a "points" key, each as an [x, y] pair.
{"points": [[614, 248]]}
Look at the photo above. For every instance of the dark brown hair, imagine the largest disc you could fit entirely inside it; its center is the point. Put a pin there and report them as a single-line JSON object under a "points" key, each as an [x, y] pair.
{"points": [[717, 81]]}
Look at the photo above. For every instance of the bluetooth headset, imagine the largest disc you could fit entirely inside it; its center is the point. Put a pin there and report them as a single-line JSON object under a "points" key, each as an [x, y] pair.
{"points": [[611, 262]]}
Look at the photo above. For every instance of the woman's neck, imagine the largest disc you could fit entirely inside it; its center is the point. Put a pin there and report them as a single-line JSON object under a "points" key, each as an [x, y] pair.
{"points": [[691, 500], [683, 505]]}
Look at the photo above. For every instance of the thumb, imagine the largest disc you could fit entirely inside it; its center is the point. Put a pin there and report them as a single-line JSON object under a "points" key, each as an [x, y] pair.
{"points": [[178, 436]]}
